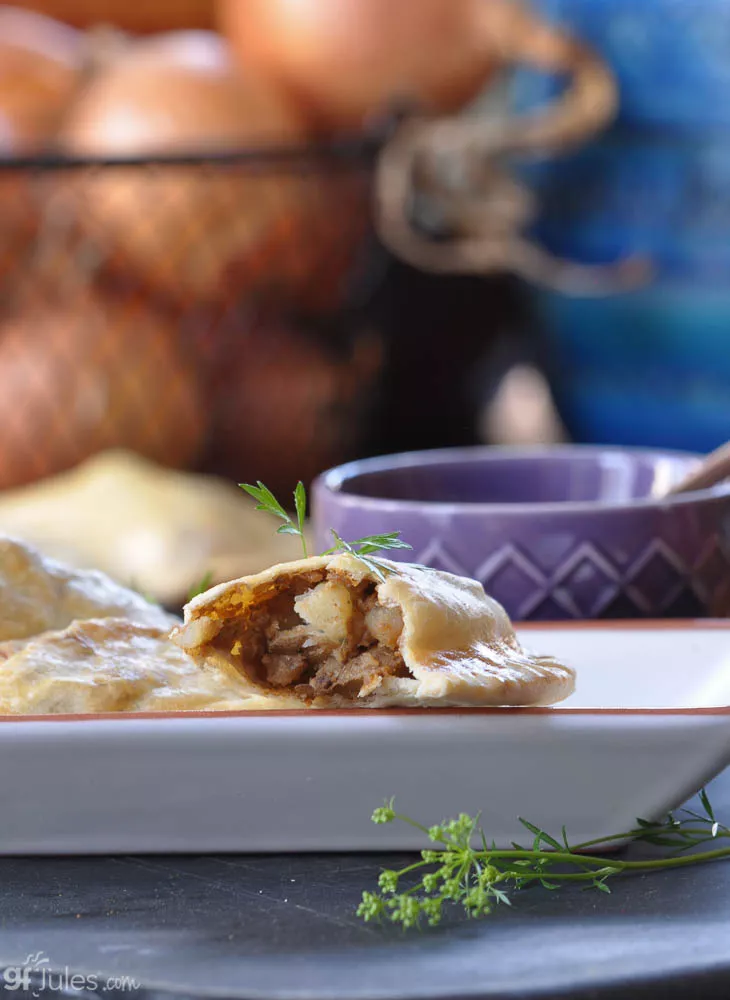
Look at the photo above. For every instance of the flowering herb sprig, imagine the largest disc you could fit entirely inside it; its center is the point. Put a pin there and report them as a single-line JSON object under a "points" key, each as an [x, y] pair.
{"points": [[454, 872]]}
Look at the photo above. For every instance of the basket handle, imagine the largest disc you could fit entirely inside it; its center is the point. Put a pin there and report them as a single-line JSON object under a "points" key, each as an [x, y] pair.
{"points": [[459, 162], [590, 100]]}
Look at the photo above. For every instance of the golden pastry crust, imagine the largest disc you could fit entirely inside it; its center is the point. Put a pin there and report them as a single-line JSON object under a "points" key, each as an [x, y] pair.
{"points": [[329, 632], [114, 665], [38, 594]]}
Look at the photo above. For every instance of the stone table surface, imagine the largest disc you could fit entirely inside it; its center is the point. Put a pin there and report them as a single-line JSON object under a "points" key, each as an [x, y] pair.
{"points": [[271, 927]]}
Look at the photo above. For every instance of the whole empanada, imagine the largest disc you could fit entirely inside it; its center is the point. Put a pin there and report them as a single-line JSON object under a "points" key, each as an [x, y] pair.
{"points": [[38, 594], [161, 529], [114, 665]]}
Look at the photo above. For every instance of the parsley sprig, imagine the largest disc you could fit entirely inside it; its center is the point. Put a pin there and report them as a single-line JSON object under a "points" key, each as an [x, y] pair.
{"points": [[267, 501], [477, 878], [362, 549]]}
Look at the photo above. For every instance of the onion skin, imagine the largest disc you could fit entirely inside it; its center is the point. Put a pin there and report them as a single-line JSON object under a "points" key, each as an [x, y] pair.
{"points": [[41, 63], [83, 374], [182, 229], [347, 60]]}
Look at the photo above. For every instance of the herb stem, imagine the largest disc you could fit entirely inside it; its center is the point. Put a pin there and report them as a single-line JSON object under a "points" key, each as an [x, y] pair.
{"points": [[571, 858], [557, 876], [642, 833], [410, 868], [445, 840], [683, 862]]}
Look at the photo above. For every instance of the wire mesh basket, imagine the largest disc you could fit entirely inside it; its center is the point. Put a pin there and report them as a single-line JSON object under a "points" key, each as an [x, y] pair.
{"points": [[184, 307]]}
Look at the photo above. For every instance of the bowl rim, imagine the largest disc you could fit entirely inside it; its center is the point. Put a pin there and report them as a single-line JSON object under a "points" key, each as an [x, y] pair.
{"points": [[332, 480]]}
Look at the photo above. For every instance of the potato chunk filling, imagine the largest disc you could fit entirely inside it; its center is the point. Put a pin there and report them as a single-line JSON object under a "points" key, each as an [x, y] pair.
{"points": [[322, 635]]}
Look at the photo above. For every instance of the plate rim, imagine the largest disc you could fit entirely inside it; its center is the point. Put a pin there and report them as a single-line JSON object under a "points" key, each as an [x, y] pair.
{"points": [[628, 625]]}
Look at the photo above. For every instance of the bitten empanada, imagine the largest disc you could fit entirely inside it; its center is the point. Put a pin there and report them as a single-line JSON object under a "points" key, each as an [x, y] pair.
{"points": [[330, 631]]}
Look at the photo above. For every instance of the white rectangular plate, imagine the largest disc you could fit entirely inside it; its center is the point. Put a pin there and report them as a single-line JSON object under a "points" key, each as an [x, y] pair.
{"points": [[648, 725]]}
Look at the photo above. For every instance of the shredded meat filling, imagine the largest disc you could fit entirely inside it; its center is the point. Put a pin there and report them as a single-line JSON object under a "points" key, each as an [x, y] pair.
{"points": [[322, 636], [361, 675], [283, 669]]}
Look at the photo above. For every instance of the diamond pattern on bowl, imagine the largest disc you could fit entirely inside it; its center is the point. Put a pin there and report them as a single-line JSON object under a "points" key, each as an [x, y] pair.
{"points": [[656, 578], [510, 571], [586, 581], [581, 585], [548, 610], [711, 578], [685, 605], [710, 569], [621, 607]]}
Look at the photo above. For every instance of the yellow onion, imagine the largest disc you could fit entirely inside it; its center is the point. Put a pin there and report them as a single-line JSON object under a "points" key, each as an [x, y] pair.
{"points": [[83, 374], [41, 61], [345, 60], [184, 229]]}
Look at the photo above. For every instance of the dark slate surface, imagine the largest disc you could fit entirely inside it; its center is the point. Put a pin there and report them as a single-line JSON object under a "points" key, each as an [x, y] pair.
{"points": [[284, 927]]}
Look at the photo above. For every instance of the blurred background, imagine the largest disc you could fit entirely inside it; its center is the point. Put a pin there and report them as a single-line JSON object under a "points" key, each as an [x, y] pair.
{"points": [[252, 239]]}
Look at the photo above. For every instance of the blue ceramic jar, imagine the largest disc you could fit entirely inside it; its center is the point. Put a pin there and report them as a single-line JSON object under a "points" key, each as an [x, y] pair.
{"points": [[651, 367]]}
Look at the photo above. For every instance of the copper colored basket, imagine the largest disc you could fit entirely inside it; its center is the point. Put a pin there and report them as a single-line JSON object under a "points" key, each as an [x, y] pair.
{"points": [[192, 309]]}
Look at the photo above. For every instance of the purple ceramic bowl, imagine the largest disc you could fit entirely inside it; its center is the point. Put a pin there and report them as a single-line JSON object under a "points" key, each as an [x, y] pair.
{"points": [[552, 533]]}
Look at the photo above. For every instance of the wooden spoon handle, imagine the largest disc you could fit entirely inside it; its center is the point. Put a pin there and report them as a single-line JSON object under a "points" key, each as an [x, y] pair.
{"points": [[714, 469]]}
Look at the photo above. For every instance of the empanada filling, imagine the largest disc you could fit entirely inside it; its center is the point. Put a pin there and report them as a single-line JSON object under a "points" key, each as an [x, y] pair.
{"points": [[318, 634]]}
